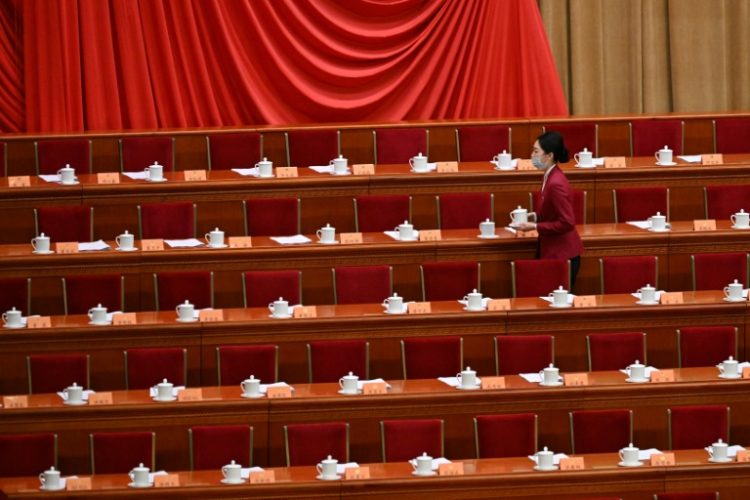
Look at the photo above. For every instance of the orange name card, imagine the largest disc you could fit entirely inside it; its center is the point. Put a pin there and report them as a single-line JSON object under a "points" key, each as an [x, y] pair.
{"points": [[584, 301], [211, 315], [100, 398], [527, 234], [525, 165], [447, 166], [704, 225], [15, 401], [350, 238], [716, 159], [78, 484], [285, 172], [38, 322], [357, 473], [305, 312], [363, 169], [419, 308], [429, 235], [614, 162], [240, 241], [66, 247], [374, 388], [662, 376], [572, 463], [493, 382], [671, 298], [746, 372], [576, 379], [108, 178], [662, 459], [498, 305], [152, 245], [167, 481], [192, 394], [263, 477], [19, 181], [743, 455], [195, 175], [124, 319], [451, 469], [279, 392]]}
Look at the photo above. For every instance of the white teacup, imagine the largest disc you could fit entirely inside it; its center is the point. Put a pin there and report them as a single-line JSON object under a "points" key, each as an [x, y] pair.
{"points": [[719, 451], [648, 293], [418, 163], [12, 318], [550, 375], [740, 219], [232, 472], [584, 158], [279, 308], [733, 291], [658, 222], [185, 311], [50, 479], [326, 234], [504, 160], [636, 371], [73, 394], [125, 241], [474, 301], [215, 238], [467, 378], [394, 304], [423, 465], [340, 165], [98, 315], [664, 155], [139, 475], [519, 216], [348, 383], [155, 172], [250, 386], [327, 468], [40, 244], [67, 175], [629, 455], [559, 297], [164, 389], [487, 228], [545, 459], [405, 231], [265, 168], [729, 368]]}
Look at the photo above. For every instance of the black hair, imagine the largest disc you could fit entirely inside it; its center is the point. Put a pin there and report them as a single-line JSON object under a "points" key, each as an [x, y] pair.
{"points": [[552, 142]]}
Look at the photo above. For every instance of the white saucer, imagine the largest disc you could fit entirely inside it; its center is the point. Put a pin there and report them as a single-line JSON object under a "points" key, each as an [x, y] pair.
{"points": [[623, 464], [328, 242], [545, 469], [666, 229], [187, 320], [647, 303], [14, 327], [404, 311], [407, 239], [126, 249], [504, 169], [474, 310], [324, 478], [154, 180], [637, 380], [135, 485], [79, 403], [74, 183], [344, 393], [740, 228], [106, 323], [727, 299], [223, 245], [432, 473], [490, 237], [478, 386], [286, 316], [667, 164], [561, 306], [578, 165], [553, 384], [164, 400], [729, 377], [725, 461], [42, 253], [253, 396], [44, 488], [343, 173], [265, 176], [227, 481], [420, 171]]}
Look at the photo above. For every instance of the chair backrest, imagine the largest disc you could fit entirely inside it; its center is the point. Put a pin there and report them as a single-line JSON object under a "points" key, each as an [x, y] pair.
{"points": [[511, 435], [615, 351], [53, 155], [16, 293], [137, 153], [81, 293], [523, 353], [4, 158], [173, 288], [329, 360], [119, 452], [397, 145], [167, 220], [600, 431], [305, 148], [235, 363], [640, 203], [721, 202], [578, 135], [464, 210], [731, 135], [626, 274], [706, 345], [271, 216], [146, 367], [235, 150], [538, 277], [49, 373], [362, 284], [27, 454], [403, 440], [580, 204], [308, 444], [481, 143], [693, 427], [708, 495], [376, 213], [449, 280], [713, 271], [649, 136], [213, 446], [259, 288], [431, 357], [65, 223]]}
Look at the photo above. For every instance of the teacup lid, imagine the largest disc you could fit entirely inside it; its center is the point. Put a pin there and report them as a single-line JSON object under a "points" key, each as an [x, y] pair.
{"points": [[425, 455], [251, 377], [551, 366], [67, 166], [281, 299], [394, 294], [474, 292], [665, 148], [187, 303], [544, 451], [216, 229], [585, 150], [504, 152], [350, 375], [658, 214], [233, 464], [328, 224], [468, 369], [12, 309], [52, 469], [265, 159], [720, 442], [560, 288], [742, 211], [126, 232], [730, 360], [163, 382], [736, 282], [330, 459], [140, 467], [648, 285], [419, 155], [74, 386], [156, 164], [42, 236], [637, 363], [519, 209], [487, 220]]}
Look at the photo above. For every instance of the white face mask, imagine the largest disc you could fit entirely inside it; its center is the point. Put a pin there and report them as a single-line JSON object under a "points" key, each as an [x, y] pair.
{"points": [[537, 162]]}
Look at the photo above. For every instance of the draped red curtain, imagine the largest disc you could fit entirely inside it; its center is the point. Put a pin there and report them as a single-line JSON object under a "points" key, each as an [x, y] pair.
{"points": [[74, 65]]}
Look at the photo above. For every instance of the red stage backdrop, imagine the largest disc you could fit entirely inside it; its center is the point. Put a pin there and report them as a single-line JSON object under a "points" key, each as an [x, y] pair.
{"points": [[75, 65]]}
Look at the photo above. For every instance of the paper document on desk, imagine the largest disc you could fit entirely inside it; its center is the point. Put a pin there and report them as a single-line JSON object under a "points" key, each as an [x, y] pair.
{"points": [[185, 243], [322, 169], [251, 172], [137, 176], [93, 245], [691, 158], [297, 239]]}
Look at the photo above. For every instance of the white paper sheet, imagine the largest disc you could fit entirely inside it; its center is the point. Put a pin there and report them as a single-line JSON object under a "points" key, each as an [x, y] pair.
{"points": [[92, 246], [361, 383], [394, 235], [297, 239], [264, 387], [50, 178], [248, 172], [322, 169], [185, 243], [690, 158], [245, 471], [535, 378], [137, 176]]}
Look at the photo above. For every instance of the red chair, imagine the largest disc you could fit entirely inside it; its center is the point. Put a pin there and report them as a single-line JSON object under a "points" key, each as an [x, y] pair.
{"points": [[627, 274], [615, 351], [15, 292], [329, 360], [271, 216], [376, 213], [405, 439], [66, 223], [308, 444], [649, 136], [213, 446], [731, 135], [146, 367], [397, 145], [713, 271], [516, 354], [137, 153], [578, 135], [640, 203], [709, 495], [260, 288], [579, 204], [119, 452], [693, 427], [432, 357], [600, 431], [4, 158], [81, 293], [311, 147], [171, 289], [538, 277], [481, 143], [54, 372], [27, 454], [706, 345], [464, 210], [167, 220], [51, 156], [362, 284], [235, 363], [513, 435], [237, 150], [721, 202], [449, 280]]}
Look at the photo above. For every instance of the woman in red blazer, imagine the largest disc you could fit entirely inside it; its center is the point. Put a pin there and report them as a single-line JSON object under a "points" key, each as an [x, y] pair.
{"points": [[558, 238]]}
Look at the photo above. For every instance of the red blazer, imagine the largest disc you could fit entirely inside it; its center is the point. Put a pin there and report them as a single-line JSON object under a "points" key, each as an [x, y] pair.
{"points": [[558, 238]]}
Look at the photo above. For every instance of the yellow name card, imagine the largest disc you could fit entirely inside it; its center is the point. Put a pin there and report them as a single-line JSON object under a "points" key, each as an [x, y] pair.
{"points": [[429, 235], [671, 298], [614, 162], [286, 172], [191, 394], [152, 245], [167, 481], [100, 398], [363, 169], [716, 159], [419, 308], [447, 166], [66, 247], [704, 225], [211, 315], [15, 401], [122, 319], [263, 477], [305, 312], [279, 392], [78, 484], [576, 379], [525, 165], [451, 469], [498, 305], [19, 181], [584, 301], [195, 175], [491, 383], [662, 376], [572, 463], [357, 473], [527, 234], [350, 238], [240, 242], [373, 388], [662, 459], [38, 322], [108, 178]]}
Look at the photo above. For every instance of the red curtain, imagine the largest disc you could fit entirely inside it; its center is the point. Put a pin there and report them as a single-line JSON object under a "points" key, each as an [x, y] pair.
{"points": [[143, 64]]}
